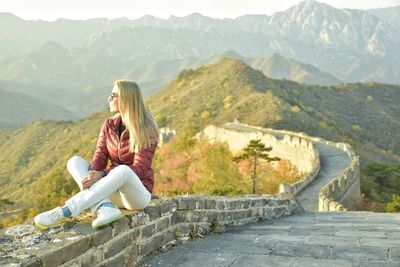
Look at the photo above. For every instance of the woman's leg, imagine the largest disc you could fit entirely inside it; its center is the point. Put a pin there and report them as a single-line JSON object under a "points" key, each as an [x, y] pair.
{"points": [[133, 193], [79, 168]]}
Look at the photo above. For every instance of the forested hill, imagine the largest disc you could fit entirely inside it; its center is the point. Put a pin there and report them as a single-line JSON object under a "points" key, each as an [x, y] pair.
{"points": [[363, 114], [32, 162]]}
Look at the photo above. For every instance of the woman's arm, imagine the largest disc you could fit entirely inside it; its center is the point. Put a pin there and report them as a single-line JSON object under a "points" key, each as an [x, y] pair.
{"points": [[100, 156]]}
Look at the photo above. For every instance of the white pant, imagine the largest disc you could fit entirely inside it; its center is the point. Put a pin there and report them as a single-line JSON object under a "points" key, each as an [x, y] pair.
{"points": [[121, 185]]}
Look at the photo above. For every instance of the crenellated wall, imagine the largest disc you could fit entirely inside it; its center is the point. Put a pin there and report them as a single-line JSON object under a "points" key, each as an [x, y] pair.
{"points": [[299, 151], [339, 194], [342, 191], [295, 147], [164, 223]]}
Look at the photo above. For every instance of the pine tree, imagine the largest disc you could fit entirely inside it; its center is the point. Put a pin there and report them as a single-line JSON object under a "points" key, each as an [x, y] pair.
{"points": [[255, 150]]}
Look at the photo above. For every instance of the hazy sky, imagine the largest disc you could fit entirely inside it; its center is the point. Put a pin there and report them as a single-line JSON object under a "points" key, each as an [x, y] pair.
{"points": [[84, 9]]}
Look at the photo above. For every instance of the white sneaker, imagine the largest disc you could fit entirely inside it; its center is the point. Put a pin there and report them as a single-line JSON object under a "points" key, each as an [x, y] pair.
{"points": [[105, 216], [50, 218]]}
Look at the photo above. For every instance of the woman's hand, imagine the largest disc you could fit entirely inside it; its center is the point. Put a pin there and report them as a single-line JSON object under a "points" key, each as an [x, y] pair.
{"points": [[92, 177]]}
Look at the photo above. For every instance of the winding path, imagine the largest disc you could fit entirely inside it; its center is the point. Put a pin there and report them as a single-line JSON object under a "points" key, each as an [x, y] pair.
{"points": [[333, 161], [309, 238]]}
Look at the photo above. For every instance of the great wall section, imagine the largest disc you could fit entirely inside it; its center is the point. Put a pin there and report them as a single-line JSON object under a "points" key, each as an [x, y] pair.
{"points": [[310, 223]]}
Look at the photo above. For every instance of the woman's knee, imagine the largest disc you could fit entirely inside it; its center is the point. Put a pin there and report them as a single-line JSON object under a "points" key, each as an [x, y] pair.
{"points": [[74, 161], [124, 169]]}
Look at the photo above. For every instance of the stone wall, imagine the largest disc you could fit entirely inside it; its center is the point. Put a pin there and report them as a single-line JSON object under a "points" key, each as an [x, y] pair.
{"points": [[343, 191], [339, 194], [164, 223], [295, 147], [298, 150]]}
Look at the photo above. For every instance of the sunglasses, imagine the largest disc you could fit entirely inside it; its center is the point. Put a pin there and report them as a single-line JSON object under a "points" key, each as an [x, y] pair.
{"points": [[113, 95]]}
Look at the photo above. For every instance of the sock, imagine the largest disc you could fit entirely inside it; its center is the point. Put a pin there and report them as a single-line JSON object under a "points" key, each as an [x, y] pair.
{"points": [[108, 204], [66, 211]]}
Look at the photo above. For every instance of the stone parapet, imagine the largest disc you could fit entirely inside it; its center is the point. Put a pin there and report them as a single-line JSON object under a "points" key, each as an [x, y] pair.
{"points": [[342, 191], [164, 223], [298, 148]]}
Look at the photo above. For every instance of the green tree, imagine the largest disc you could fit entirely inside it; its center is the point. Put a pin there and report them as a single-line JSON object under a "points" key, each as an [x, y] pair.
{"points": [[255, 150], [394, 206]]}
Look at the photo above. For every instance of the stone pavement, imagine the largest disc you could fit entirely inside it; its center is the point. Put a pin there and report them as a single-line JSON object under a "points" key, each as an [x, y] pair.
{"points": [[304, 239], [333, 161]]}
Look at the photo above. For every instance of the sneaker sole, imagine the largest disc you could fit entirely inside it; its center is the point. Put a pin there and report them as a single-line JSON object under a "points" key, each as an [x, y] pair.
{"points": [[44, 227], [98, 226]]}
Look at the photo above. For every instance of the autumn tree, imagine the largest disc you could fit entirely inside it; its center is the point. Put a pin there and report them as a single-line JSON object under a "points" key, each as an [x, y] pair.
{"points": [[255, 150]]}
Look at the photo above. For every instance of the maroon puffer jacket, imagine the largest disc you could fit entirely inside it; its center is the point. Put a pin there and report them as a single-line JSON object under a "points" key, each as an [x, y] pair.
{"points": [[110, 147]]}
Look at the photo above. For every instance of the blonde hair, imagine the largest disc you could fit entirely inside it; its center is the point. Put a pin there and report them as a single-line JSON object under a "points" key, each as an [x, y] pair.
{"points": [[138, 120]]}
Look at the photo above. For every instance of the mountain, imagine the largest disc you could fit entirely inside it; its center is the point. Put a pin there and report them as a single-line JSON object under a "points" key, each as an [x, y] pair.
{"points": [[279, 67], [33, 159], [390, 15], [18, 110], [313, 33], [231, 89]]}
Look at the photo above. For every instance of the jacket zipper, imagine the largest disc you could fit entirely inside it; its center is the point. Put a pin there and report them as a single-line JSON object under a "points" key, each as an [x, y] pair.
{"points": [[119, 145]]}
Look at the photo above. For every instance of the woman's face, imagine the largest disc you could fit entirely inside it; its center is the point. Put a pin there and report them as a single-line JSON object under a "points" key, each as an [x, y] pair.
{"points": [[113, 100]]}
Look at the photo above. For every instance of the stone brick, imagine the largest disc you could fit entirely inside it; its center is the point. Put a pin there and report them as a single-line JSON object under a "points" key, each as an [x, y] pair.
{"points": [[120, 226], [249, 213], [139, 219], [56, 255], [167, 207], [210, 204], [183, 229], [115, 261], [222, 216], [153, 212], [236, 204], [134, 234], [221, 204], [90, 258], [169, 236], [177, 217], [101, 236], [163, 224], [245, 203], [152, 245], [97, 237], [196, 216], [212, 215], [148, 230], [186, 203], [200, 203], [116, 245]]}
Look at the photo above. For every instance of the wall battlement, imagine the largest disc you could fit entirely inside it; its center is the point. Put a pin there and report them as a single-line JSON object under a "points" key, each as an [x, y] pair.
{"points": [[298, 150], [295, 147], [342, 191], [339, 194], [164, 223]]}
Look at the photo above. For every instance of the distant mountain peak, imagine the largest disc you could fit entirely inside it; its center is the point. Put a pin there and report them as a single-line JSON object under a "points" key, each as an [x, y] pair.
{"points": [[232, 54], [196, 15], [9, 17]]}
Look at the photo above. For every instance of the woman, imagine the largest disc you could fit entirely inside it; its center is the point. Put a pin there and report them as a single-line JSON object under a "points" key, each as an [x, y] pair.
{"points": [[129, 140]]}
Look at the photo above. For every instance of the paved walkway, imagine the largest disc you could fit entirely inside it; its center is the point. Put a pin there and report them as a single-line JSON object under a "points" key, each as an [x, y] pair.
{"points": [[333, 161], [305, 239]]}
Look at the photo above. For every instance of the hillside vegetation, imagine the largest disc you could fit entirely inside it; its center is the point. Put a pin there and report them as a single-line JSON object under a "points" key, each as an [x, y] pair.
{"points": [[362, 114], [33, 159]]}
